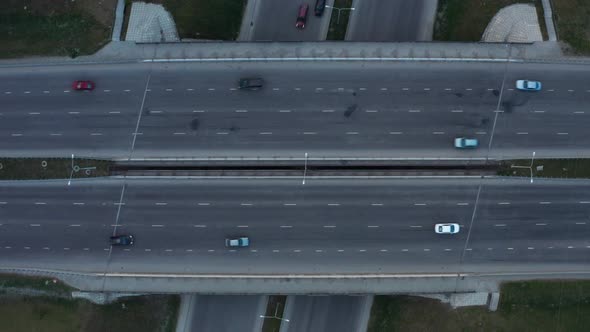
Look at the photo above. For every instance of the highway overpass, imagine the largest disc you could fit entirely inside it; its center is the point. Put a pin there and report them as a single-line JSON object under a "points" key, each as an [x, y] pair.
{"points": [[325, 109], [338, 226]]}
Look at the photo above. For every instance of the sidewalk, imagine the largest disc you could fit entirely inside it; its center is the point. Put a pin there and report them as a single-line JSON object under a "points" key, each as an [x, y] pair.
{"points": [[184, 320]]}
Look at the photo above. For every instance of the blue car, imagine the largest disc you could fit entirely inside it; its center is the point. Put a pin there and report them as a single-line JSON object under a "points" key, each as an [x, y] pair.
{"points": [[122, 240], [462, 142], [526, 85]]}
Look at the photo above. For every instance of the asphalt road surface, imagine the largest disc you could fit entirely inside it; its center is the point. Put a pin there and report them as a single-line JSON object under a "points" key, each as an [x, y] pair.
{"points": [[224, 313], [324, 226], [324, 313], [392, 20], [274, 20], [392, 110]]}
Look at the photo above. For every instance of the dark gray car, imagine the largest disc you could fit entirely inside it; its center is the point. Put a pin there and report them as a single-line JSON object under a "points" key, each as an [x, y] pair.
{"points": [[251, 83]]}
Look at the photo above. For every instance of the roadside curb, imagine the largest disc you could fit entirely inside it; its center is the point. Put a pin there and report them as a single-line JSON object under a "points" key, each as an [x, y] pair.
{"points": [[184, 52]]}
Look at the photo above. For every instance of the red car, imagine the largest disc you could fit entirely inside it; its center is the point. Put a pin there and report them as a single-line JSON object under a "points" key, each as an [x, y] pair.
{"points": [[83, 85], [302, 16]]}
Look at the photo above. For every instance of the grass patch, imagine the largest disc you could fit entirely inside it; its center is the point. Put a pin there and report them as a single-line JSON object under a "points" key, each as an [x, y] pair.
{"points": [[23, 33], [337, 28], [572, 18], [51, 168], [44, 284], [466, 20], [274, 308], [551, 168], [206, 19], [136, 314], [524, 306]]}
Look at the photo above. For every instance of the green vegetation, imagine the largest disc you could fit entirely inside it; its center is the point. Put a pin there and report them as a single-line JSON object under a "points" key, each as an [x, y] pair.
{"points": [[274, 308], [547, 168], [23, 33], [466, 20], [43, 284], [572, 18], [338, 24], [206, 19], [135, 314], [51, 168], [524, 306]]}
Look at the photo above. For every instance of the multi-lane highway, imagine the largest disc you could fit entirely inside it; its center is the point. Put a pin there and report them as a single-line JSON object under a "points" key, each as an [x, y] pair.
{"points": [[326, 313], [392, 21], [324, 226], [328, 109]]}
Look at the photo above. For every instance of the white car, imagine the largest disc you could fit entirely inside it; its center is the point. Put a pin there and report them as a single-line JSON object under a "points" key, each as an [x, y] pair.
{"points": [[527, 85], [446, 228]]}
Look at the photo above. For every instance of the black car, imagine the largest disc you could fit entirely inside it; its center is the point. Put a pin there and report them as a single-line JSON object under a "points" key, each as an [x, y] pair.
{"points": [[251, 83], [122, 240], [320, 5]]}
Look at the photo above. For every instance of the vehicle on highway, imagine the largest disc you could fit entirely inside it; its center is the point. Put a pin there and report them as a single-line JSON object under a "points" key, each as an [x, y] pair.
{"points": [[526, 85], [83, 85], [463, 143], [241, 241], [302, 16], [320, 6], [446, 228], [122, 240], [251, 83]]}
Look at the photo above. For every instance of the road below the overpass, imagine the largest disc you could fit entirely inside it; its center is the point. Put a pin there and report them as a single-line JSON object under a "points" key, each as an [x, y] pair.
{"points": [[325, 226], [325, 109]]}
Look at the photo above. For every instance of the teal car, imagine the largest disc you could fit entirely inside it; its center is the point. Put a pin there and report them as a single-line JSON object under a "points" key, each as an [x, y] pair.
{"points": [[464, 143], [241, 241]]}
